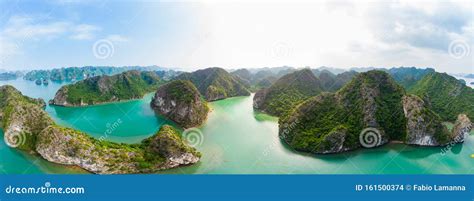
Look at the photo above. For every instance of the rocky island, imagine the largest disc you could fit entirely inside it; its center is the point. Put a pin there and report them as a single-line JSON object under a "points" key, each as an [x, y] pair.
{"points": [[215, 83], [335, 122], [297, 86], [181, 102], [28, 127], [103, 89], [6, 76], [21, 118], [71, 74], [447, 96], [257, 80], [287, 92], [164, 150]]}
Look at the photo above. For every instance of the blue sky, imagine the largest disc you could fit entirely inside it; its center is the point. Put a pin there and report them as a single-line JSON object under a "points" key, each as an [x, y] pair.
{"points": [[191, 35]]}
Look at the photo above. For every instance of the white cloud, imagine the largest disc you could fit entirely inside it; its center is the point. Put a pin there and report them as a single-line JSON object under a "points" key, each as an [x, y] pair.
{"points": [[342, 34], [20, 31], [84, 32], [25, 28], [116, 38], [433, 25], [339, 33], [8, 48], [30, 28]]}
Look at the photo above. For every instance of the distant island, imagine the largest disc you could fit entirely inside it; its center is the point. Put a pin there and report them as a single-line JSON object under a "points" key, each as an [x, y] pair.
{"points": [[72, 74], [5, 76], [469, 76], [104, 89]]}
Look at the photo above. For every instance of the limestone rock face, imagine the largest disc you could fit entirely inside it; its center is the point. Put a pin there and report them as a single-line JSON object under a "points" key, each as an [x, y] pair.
{"points": [[28, 127], [164, 150], [181, 102], [335, 141], [215, 93], [368, 112], [21, 118], [461, 128], [335, 122], [259, 98], [68, 147], [169, 144], [61, 98], [424, 127]]}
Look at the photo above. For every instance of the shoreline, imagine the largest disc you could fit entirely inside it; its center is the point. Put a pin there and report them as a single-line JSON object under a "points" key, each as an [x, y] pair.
{"points": [[103, 103]]}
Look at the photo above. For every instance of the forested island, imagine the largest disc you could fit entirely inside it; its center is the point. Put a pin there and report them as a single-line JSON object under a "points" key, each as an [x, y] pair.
{"points": [[326, 122], [105, 89], [28, 127]]}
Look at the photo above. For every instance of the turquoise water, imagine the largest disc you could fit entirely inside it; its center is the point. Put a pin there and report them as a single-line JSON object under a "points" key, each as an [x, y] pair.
{"points": [[127, 122], [234, 140]]}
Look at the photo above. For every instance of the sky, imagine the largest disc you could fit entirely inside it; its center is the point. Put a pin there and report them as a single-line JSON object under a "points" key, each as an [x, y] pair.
{"points": [[234, 34]]}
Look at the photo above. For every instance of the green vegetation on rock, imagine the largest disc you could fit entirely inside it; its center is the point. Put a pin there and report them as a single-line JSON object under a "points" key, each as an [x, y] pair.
{"points": [[424, 126], [28, 127], [216, 83], [330, 123], [287, 92], [336, 122], [181, 102], [408, 76], [164, 150], [446, 95], [102, 89], [21, 118], [71, 74]]}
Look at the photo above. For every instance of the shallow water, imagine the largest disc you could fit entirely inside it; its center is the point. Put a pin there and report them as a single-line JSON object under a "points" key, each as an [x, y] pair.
{"points": [[234, 140]]}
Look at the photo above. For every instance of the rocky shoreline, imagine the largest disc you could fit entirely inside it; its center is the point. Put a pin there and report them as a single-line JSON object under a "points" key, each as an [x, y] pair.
{"points": [[369, 112], [126, 86], [181, 102], [28, 127]]}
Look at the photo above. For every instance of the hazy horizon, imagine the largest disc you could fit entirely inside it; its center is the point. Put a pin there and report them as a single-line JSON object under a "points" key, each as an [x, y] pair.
{"points": [[230, 69], [200, 34]]}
